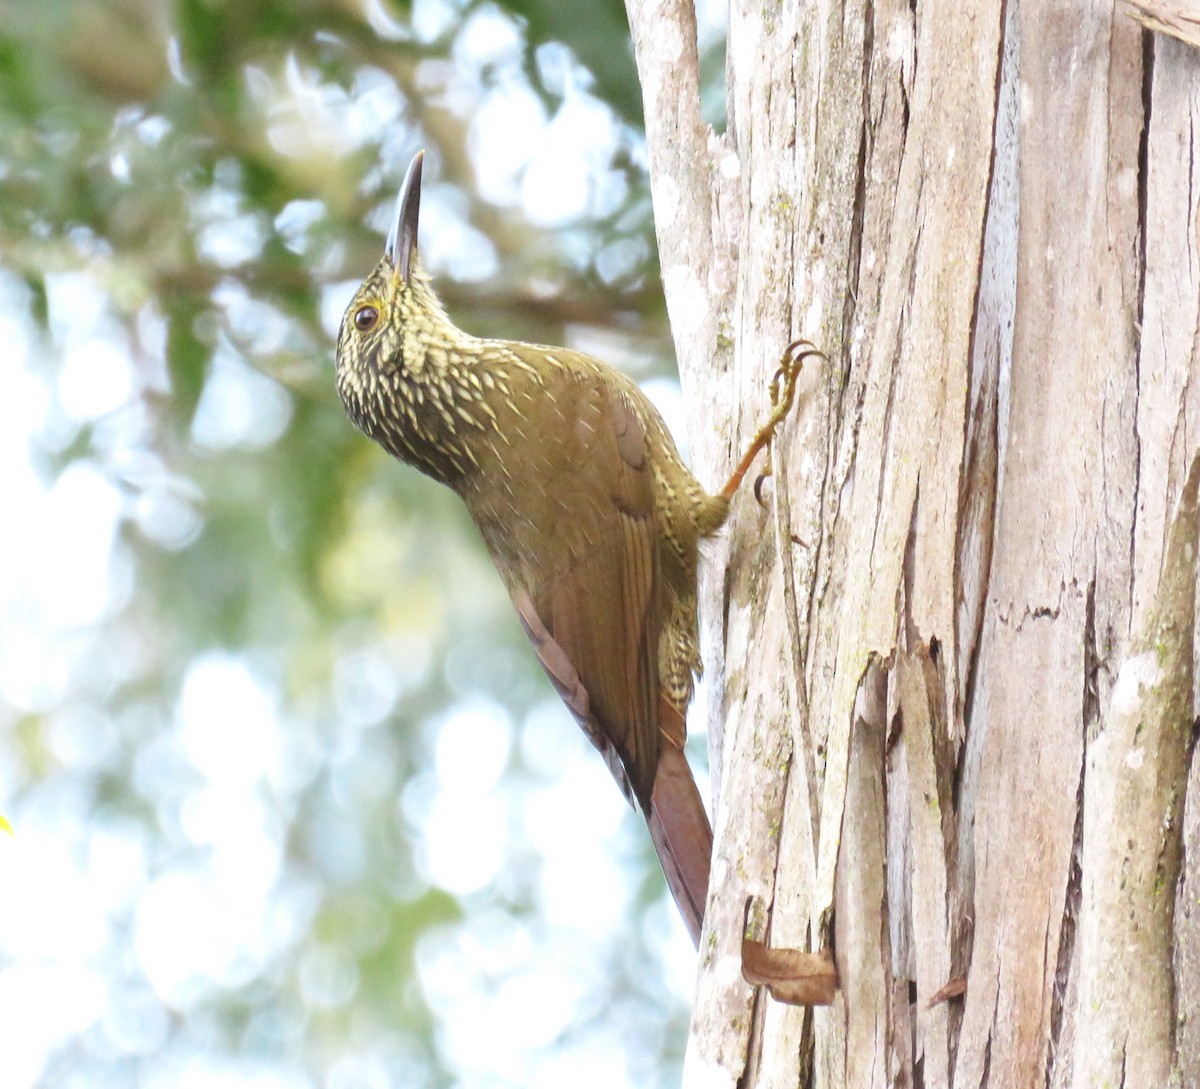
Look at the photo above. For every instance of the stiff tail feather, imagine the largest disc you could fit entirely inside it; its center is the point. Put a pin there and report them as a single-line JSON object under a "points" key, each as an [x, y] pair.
{"points": [[682, 836]]}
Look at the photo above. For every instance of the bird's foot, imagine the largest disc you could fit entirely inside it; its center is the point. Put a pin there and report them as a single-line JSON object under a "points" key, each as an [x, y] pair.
{"points": [[783, 395]]}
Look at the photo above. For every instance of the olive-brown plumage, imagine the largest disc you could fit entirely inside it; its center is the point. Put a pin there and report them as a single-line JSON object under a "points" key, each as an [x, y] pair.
{"points": [[588, 512]]}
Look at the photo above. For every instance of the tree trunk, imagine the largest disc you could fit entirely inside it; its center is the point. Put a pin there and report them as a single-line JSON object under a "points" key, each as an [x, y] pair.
{"points": [[951, 663]]}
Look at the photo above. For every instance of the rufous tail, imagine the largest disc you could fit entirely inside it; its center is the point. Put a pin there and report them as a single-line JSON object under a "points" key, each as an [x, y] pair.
{"points": [[682, 836]]}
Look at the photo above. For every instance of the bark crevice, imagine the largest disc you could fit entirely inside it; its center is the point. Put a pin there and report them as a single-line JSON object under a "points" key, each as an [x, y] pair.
{"points": [[998, 253]]}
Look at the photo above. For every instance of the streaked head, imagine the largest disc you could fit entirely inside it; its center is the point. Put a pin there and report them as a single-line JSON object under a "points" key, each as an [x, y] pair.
{"points": [[372, 327]]}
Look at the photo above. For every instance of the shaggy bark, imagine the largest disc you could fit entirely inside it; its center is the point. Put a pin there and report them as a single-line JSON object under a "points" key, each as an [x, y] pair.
{"points": [[940, 747]]}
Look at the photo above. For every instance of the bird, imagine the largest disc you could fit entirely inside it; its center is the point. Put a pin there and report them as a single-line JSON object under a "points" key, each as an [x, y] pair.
{"points": [[588, 512]]}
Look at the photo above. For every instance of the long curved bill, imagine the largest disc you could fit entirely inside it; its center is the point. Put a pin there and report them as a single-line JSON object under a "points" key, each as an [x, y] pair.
{"points": [[402, 239]]}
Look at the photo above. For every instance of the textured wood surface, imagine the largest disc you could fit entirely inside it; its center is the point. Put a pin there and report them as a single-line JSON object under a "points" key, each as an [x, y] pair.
{"points": [[988, 216]]}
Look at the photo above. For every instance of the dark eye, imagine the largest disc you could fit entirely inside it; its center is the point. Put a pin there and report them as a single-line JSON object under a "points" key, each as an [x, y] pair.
{"points": [[365, 318]]}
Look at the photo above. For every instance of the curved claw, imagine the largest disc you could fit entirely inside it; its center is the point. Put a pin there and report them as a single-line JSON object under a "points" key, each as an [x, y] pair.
{"points": [[792, 363], [783, 394]]}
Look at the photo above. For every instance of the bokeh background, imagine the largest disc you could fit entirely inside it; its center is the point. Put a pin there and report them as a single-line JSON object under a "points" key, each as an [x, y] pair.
{"points": [[293, 806]]}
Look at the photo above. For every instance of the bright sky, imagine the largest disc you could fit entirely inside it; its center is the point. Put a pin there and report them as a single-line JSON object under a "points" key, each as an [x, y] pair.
{"points": [[223, 908], [218, 910]]}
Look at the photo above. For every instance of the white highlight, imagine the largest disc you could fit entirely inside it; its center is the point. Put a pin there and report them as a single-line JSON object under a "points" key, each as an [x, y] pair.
{"points": [[1137, 677]]}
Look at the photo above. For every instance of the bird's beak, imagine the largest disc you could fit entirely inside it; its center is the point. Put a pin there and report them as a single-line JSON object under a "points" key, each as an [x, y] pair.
{"points": [[402, 241]]}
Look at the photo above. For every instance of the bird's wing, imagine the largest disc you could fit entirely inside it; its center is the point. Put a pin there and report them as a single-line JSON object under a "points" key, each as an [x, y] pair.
{"points": [[590, 594]]}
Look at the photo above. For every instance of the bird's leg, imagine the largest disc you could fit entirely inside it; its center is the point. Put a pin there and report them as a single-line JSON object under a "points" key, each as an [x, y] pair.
{"points": [[783, 394]]}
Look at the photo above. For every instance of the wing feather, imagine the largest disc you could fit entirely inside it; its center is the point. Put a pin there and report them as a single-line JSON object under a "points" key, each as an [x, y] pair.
{"points": [[588, 587]]}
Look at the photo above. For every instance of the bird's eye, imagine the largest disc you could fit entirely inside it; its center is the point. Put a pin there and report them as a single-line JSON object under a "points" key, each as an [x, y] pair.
{"points": [[365, 318]]}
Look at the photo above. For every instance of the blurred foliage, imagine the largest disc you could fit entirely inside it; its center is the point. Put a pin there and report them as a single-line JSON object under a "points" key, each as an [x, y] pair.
{"points": [[189, 191]]}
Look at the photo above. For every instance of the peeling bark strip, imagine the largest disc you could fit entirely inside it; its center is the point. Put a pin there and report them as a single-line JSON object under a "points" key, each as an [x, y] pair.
{"points": [[1179, 22], [988, 216], [799, 979], [1133, 835]]}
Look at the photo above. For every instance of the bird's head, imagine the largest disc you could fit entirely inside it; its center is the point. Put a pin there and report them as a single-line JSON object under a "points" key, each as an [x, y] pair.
{"points": [[402, 366], [394, 315]]}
